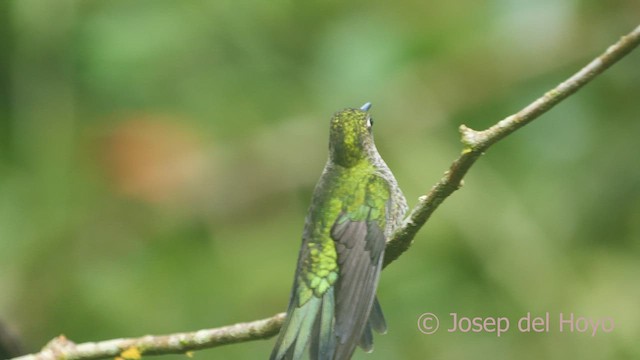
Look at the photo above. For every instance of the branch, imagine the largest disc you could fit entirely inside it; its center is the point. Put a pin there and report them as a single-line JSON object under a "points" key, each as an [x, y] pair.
{"points": [[475, 144], [178, 343]]}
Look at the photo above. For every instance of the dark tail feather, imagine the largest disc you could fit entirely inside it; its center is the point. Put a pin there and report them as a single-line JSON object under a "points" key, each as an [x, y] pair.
{"points": [[376, 318], [376, 322], [366, 340]]}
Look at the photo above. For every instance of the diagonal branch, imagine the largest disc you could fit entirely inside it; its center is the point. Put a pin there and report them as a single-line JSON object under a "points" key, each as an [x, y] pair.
{"points": [[475, 144]]}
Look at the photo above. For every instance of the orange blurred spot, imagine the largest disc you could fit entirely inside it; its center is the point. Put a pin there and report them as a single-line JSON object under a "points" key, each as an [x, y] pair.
{"points": [[154, 158]]}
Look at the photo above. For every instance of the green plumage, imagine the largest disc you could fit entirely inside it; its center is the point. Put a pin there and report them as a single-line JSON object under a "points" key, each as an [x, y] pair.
{"points": [[356, 205]]}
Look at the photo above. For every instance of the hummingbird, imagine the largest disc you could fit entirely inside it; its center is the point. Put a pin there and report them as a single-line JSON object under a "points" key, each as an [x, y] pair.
{"points": [[355, 207]]}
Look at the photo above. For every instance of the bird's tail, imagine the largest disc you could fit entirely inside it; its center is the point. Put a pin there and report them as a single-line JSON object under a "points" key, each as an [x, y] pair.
{"points": [[376, 322], [313, 324], [312, 321]]}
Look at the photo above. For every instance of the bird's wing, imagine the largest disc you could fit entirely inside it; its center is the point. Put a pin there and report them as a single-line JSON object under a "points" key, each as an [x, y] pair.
{"points": [[359, 237], [333, 317]]}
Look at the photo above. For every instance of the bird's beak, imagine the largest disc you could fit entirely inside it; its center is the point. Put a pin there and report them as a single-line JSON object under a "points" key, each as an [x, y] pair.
{"points": [[366, 107]]}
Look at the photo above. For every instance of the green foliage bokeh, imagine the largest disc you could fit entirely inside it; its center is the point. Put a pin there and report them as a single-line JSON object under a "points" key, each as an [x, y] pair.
{"points": [[157, 159]]}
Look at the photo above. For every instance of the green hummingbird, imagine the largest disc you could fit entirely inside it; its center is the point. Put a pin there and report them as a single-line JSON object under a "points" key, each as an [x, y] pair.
{"points": [[356, 205]]}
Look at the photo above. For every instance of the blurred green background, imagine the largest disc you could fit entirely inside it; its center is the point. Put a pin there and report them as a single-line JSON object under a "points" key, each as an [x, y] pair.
{"points": [[157, 159]]}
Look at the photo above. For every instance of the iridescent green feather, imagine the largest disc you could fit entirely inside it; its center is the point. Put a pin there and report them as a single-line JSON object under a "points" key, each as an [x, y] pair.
{"points": [[355, 206]]}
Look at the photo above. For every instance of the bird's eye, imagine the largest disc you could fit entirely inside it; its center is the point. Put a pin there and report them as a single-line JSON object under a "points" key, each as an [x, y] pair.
{"points": [[369, 122]]}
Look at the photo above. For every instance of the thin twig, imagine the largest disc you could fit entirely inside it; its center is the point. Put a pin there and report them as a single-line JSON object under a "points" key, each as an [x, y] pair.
{"points": [[475, 144]]}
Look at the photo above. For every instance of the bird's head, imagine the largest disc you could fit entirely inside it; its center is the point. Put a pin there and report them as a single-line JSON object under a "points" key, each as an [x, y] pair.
{"points": [[351, 137]]}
